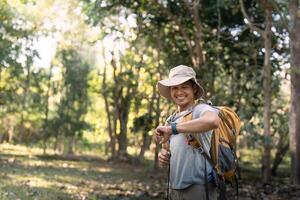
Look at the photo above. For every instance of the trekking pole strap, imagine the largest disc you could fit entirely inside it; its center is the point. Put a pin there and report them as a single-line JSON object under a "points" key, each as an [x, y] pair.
{"points": [[206, 181], [237, 187]]}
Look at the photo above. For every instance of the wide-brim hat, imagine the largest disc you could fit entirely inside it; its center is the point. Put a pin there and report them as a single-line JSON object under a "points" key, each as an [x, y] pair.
{"points": [[177, 76]]}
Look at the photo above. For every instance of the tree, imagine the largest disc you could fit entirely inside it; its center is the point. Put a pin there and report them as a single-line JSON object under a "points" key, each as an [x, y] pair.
{"points": [[16, 38], [266, 34], [280, 132], [233, 59], [111, 119], [294, 11], [124, 88], [74, 102]]}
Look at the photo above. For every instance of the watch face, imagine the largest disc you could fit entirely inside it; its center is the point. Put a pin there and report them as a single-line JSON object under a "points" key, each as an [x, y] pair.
{"points": [[174, 130]]}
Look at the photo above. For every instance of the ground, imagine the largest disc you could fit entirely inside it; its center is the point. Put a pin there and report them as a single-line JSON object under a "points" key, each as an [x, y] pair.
{"points": [[25, 173]]}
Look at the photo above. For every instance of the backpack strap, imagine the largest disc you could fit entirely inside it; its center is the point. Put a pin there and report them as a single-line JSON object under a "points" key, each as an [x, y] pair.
{"points": [[195, 143], [216, 139]]}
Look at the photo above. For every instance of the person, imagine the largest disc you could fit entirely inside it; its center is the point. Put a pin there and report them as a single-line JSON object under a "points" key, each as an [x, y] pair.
{"points": [[187, 166]]}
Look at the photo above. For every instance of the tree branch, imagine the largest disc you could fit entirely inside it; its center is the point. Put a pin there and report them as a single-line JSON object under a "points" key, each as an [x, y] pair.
{"points": [[187, 5], [194, 11], [250, 23], [180, 26]]}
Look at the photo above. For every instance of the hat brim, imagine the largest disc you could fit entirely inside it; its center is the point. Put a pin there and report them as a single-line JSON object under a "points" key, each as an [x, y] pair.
{"points": [[164, 86]]}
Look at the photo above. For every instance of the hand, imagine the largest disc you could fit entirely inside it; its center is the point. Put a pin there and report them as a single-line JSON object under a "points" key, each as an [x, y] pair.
{"points": [[163, 133], [164, 157]]}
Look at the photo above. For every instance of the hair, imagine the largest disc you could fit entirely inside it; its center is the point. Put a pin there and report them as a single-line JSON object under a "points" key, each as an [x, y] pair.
{"points": [[191, 81], [193, 84]]}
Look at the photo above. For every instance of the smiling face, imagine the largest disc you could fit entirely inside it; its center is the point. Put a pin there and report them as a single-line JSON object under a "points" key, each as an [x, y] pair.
{"points": [[183, 94]]}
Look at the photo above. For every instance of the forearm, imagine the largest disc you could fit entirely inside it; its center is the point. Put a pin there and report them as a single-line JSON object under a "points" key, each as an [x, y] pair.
{"points": [[208, 122]]}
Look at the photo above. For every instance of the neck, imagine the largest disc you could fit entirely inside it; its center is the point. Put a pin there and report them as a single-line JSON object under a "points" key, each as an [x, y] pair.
{"points": [[185, 107]]}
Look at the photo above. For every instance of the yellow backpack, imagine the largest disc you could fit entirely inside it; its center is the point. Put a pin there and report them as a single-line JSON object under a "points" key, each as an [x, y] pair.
{"points": [[223, 146]]}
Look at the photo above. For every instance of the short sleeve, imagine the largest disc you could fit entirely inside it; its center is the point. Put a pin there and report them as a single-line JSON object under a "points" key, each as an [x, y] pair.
{"points": [[200, 109]]}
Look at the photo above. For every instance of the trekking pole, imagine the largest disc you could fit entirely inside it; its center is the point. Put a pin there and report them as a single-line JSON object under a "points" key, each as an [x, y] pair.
{"points": [[168, 182]]}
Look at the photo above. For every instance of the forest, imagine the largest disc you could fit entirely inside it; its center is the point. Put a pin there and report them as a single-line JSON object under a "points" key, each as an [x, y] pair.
{"points": [[79, 101]]}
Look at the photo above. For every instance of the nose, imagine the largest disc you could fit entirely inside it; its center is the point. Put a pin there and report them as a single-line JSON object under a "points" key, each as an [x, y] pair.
{"points": [[179, 91]]}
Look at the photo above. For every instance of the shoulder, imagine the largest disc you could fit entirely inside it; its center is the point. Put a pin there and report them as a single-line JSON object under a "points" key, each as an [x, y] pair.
{"points": [[200, 109], [204, 107]]}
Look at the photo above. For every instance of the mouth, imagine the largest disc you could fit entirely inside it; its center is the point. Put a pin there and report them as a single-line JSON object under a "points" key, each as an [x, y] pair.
{"points": [[181, 98]]}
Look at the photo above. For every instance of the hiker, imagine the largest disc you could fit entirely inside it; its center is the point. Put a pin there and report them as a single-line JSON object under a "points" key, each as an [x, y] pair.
{"points": [[190, 175]]}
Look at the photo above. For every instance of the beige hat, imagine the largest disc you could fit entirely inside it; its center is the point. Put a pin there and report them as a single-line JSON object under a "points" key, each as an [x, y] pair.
{"points": [[177, 76]]}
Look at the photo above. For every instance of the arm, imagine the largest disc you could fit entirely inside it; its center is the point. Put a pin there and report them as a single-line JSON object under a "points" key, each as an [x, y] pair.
{"points": [[208, 121]]}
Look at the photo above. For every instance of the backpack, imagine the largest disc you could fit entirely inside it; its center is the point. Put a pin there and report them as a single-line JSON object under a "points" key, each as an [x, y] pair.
{"points": [[223, 148]]}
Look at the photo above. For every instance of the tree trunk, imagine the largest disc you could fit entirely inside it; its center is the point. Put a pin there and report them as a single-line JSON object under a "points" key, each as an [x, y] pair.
{"points": [[55, 146], [45, 125], [124, 109], [24, 101], [267, 80], [71, 143], [157, 145], [282, 148], [198, 56], [111, 128], [123, 118], [146, 139], [117, 93], [145, 145], [157, 111], [112, 138], [122, 96], [198, 34], [10, 133], [295, 91], [59, 143], [267, 84]]}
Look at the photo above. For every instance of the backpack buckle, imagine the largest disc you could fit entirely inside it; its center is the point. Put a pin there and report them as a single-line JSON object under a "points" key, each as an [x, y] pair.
{"points": [[200, 149]]}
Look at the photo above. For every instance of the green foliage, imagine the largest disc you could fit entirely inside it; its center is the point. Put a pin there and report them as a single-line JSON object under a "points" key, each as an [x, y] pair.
{"points": [[55, 101], [74, 102], [20, 92], [143, 123], [232, 72]]}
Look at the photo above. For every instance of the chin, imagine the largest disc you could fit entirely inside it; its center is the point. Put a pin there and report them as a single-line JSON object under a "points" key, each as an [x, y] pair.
{"points": [[182, 104]]}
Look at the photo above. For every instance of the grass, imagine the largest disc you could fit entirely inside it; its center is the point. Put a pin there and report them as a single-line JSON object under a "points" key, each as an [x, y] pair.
{"points": [[26, 174], [251, 161]]}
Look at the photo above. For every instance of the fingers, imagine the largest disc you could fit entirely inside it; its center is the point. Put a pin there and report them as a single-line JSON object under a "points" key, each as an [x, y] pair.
{"points": [[162, 134], [159, 133], [164, 157], [158, 138]]}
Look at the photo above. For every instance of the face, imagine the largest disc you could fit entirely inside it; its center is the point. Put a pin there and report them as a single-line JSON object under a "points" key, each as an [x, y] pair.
{"points": [[183, 94]]}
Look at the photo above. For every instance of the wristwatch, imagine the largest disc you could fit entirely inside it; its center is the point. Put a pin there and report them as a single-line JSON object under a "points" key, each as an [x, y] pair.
{"points": [[173, 127]]}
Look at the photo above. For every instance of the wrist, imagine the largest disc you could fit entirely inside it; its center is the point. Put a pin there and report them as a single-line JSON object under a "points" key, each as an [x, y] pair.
{"points": [[174, 128], [169, 130]]}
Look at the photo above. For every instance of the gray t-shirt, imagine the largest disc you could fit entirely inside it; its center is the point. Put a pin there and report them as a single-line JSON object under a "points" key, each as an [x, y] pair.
{"points": [[187, 165]]}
